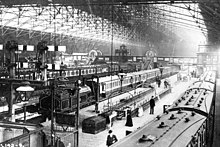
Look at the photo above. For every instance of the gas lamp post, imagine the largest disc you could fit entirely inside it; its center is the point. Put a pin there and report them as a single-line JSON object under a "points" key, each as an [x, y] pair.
{"points": [[24, 88], [121, 77]]}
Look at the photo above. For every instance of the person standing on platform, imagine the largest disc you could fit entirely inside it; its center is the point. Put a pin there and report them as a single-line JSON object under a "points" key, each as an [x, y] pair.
{"points": [[129, 122], [159, 83], [152, 105], [157, 79], [97, 107], [111, 138], [166, 84], [108, 122]]}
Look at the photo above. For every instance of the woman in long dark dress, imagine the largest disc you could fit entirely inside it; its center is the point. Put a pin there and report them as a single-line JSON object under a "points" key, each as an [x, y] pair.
{"points": [[129, 122]]}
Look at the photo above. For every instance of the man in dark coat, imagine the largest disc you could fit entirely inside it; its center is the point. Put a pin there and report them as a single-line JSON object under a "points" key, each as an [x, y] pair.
{"points": [[152, 105], [111, 138]]}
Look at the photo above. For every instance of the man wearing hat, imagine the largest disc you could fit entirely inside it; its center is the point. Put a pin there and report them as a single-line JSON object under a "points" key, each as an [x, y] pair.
{"points": [[111, 138]]}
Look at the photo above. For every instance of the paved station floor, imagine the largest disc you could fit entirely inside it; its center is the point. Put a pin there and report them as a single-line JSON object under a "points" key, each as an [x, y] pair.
{"points": [[119, 128]]}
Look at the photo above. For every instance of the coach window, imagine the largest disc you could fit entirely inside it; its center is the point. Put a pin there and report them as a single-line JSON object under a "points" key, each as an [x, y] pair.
{"points": [[131, 80], [83, 98], [103, 86]]}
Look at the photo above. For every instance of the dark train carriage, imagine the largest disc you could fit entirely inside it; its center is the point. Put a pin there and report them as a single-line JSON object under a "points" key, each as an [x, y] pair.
{"points": [[65, 100], [86, 97], [93, 84], [62, 100], [130, 67]]}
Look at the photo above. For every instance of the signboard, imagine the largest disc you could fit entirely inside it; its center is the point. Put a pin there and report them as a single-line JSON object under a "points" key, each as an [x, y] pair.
{"points": [[134, 58], [166, 59], [171, 60], [175, 60]]}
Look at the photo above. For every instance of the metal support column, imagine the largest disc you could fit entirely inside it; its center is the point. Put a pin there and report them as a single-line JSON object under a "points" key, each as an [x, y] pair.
{"points": [[76, 135], [52, 114]]}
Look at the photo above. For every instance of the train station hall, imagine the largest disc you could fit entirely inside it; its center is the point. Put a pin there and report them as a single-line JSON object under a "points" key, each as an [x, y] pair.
{"points": [[109, 73]]}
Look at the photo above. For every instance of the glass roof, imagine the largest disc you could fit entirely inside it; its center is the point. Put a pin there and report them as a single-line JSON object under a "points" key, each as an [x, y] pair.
{"points": [[66, 21]]}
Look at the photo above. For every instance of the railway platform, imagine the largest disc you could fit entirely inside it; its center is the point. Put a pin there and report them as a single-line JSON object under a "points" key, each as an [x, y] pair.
{"points": [[118, 127], [103, 106]]}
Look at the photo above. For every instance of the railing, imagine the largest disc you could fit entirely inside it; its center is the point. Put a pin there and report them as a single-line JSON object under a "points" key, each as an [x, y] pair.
{"points": [[28, 139]]}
